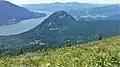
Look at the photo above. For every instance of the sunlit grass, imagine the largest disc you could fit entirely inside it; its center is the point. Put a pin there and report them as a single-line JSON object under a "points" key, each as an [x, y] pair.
{"points": [[105, 53]]}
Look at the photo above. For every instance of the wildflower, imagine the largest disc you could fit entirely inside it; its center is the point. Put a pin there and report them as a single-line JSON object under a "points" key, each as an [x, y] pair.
{"points": [[48, 64]]}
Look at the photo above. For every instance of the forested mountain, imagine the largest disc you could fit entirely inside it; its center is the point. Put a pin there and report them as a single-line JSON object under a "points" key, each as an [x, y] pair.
{"points": [[11, 13]]}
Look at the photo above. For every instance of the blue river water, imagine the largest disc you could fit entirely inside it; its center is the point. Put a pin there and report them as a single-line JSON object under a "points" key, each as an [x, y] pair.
{"points": [[23, 26]]}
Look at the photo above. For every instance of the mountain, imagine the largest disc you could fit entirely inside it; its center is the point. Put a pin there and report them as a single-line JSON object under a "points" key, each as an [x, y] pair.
{"points": [[54, 29], [106, 10], [99, 13], [105, 53], [11, 13], [61, 6]]}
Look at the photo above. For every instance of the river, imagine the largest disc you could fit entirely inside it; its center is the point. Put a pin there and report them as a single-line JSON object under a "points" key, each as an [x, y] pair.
{"points": [[23, 26]]}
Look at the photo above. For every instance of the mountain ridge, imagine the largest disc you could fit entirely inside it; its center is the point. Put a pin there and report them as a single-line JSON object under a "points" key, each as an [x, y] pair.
{"points": [[106, 12], [12, 13], [61, 6]]}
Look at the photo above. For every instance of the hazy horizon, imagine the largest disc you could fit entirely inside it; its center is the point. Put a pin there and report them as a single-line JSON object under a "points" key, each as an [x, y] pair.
{"points": [[52, 1]]}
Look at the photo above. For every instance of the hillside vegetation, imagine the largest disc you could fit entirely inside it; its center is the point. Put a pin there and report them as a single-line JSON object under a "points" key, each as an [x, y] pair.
{"points": [[105, 53]]}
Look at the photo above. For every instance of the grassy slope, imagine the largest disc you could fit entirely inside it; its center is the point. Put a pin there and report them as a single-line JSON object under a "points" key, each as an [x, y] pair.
{"points": [[105, 53]]}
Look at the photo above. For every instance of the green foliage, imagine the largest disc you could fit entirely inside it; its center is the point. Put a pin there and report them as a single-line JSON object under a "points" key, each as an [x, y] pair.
{"points": [[100, 38], [20, 51], [85, 55]]}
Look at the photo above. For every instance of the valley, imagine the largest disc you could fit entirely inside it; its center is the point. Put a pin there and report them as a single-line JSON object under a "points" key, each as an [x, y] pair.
{"points": [[58, 30], [59, 34]]}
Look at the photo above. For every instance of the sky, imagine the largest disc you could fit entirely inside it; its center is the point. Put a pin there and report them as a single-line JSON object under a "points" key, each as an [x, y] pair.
{"points": [[51, 1]]}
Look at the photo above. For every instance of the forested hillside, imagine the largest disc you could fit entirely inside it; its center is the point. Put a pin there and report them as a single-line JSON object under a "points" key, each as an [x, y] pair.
{"points": [[11, 13]]}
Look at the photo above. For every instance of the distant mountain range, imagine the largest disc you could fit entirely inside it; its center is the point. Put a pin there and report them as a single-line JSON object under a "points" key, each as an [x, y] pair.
{"points": [[11, 13], [108, 12], [61, 6], [81, 11]]}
